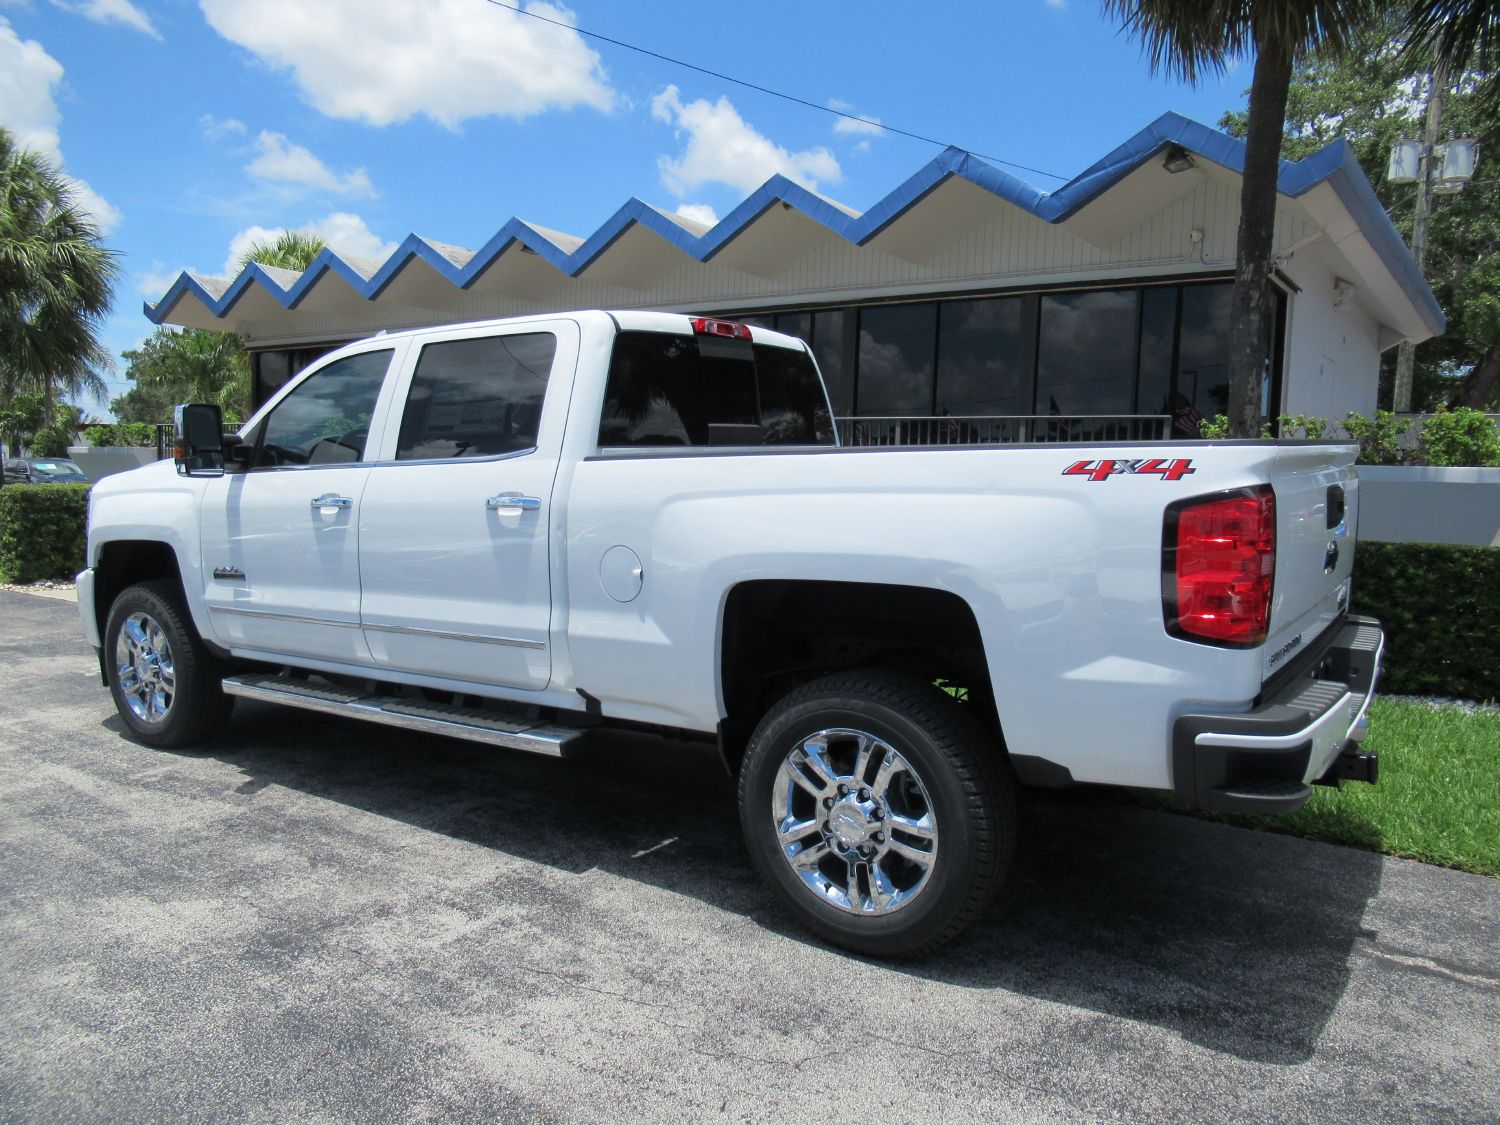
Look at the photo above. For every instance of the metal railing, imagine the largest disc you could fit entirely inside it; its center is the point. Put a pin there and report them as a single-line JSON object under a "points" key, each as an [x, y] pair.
{"points": [[995, 429]]}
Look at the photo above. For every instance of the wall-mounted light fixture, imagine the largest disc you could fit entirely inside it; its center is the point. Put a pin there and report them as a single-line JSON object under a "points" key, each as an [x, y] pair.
{"points": [[1177, 159]]}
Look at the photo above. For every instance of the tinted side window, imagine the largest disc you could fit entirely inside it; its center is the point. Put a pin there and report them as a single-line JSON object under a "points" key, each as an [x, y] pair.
{"points": [[704, 390], [476, 398], [326, 418]]}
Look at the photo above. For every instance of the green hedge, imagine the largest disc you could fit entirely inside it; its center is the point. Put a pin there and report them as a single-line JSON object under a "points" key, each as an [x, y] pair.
{"points": [[43, 531], [1440, 606]]}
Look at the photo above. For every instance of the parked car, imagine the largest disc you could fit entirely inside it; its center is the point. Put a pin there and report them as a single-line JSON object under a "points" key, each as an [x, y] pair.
{"points": [[52, 470], [17, 471]]}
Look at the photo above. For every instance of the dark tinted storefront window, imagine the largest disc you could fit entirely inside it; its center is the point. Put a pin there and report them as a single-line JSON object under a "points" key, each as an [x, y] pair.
{"points": [[1158, 336], [1155, 350], [798, 324], [1086, 353], [1203, 350], [979, 358], [895, 359], [828, 350]]}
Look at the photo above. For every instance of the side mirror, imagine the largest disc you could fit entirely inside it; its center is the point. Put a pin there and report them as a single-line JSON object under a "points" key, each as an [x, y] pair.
{"points": [[199, 447]]}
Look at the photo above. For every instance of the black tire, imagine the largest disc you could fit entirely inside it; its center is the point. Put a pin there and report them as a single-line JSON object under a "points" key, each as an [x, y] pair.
{"points": [[960, 777], [196, 705]]}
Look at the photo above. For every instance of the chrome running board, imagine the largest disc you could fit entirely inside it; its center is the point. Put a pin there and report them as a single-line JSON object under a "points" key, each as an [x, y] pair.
{"points": [[494, 728]]}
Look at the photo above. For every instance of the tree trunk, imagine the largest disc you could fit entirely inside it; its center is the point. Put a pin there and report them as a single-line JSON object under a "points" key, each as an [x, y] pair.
{"points": [[1250, 303], [1481, 383]]}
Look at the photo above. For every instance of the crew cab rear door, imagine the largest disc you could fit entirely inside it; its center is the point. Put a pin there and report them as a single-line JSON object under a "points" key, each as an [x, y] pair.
{"points": [[454, 526]]}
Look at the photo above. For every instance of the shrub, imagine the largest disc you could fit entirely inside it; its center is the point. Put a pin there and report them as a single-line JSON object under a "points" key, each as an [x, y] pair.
{"points": [[43, 531], [51, 442], [1439, 605], [1460, 437], [1214, 428], [121, 433], [1303, 425], [1379, 438]]}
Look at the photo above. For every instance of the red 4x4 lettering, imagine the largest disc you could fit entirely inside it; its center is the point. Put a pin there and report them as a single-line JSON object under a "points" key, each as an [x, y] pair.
{"points": [[1094, 470], [1175, 469]]}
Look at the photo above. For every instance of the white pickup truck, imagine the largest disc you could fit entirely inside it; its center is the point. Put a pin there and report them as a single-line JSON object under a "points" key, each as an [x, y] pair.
{"points": [[517, 531]]}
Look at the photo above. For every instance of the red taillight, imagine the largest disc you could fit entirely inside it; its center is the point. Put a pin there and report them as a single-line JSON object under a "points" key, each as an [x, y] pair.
{"points": [[706, 326], [1220, 564]]}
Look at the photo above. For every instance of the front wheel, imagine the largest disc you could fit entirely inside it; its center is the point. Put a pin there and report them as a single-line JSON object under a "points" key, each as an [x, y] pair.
{"points": [[879, 811], [164, 681]]}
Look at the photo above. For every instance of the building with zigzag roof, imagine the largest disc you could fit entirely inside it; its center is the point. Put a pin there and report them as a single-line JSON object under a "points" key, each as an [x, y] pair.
{"points": [[965, 293]]}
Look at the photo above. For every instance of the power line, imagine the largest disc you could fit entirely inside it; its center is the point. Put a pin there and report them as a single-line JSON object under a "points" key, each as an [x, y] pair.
{"points": [[761, 89]]}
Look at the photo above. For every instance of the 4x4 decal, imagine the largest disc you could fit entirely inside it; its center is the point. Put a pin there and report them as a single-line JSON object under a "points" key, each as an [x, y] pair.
{"points": [[1175, 469]]}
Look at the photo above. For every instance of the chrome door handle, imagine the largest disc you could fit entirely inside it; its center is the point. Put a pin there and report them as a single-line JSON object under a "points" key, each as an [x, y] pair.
{"points": [[513, 502], [329, 500]]}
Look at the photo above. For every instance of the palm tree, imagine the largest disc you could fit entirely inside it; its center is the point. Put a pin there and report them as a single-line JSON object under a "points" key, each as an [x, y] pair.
{"points": [[56, 281], [1459, 33], [289, 250], [1192, 37]]}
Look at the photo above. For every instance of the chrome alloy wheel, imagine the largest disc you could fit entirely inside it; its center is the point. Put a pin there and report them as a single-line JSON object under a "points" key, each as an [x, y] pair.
{"points": [[865, 844], [143, 660]]}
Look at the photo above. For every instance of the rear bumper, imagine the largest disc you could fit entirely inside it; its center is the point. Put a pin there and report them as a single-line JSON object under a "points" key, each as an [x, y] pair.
{"points": [[1266, 760]]}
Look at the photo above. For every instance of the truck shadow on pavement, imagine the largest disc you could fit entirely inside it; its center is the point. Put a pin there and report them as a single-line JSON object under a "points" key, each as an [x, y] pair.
{"points": [[1239, 941]]}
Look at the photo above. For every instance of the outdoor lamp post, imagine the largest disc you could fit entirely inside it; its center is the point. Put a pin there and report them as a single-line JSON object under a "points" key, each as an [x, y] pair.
{"points": [[1436, 170]]}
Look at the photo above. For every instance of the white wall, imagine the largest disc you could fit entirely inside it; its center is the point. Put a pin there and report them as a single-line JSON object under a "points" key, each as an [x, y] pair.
{"points": [[1332, 360], [1422, 504]]}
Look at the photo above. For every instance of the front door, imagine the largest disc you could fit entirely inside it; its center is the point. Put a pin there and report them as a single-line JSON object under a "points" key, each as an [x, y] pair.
{"points": [[454, 562], [280, 541]]}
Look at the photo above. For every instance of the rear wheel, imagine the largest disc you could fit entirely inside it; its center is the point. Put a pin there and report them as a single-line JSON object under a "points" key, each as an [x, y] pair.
{"points": [[879, 811], [164, 681]]}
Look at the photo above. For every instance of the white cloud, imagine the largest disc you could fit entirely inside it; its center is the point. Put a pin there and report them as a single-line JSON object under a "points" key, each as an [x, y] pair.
{"points": [[448, 59], [857, 126], [1057, 4], [286, 163], [723, 148], [154, 282], [106, 215], [27, 108], [111, 11], [698, 213], [345, 233], [214, 129], [27, 75]]}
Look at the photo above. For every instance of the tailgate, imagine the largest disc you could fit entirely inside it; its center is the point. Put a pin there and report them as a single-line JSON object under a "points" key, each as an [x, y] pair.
{"points": [[1317, 504]]}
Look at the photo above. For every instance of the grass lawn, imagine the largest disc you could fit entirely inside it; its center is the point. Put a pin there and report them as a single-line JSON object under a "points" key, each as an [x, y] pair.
{"points": [[1438, 799]]}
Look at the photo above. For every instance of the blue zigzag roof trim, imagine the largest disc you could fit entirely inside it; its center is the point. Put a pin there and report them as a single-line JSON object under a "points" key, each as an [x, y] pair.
{"points": [[1335, 164]]}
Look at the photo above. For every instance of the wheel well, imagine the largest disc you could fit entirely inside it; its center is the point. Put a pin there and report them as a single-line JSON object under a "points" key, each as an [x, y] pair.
{"points": [[781, 634], [124, 563]]}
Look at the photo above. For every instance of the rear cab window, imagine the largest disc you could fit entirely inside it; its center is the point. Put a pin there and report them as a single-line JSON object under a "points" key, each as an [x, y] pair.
{"points": [[667, 390]]}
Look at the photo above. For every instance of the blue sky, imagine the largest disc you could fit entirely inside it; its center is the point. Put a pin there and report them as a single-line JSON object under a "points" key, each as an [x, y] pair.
{"points": [[193, 125]]}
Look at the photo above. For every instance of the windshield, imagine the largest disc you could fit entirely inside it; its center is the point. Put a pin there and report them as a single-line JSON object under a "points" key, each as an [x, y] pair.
{"points": [[57, 470]]}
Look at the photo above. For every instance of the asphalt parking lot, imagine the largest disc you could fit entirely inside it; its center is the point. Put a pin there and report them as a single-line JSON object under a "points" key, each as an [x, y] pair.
{"points": [[315, 919]]}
